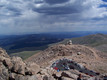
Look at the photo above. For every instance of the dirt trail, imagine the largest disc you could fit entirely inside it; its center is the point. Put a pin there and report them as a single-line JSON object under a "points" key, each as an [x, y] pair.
{"points": [[94, 52]]}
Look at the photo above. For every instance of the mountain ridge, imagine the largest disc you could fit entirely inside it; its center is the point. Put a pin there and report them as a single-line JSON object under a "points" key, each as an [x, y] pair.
{"points": [[98, 41]]}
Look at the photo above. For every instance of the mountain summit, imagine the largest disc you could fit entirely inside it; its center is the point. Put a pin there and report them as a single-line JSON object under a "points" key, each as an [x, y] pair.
{"points": [[84, 55]]}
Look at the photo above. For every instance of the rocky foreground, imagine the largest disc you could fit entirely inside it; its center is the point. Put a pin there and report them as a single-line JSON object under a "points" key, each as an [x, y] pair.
{"points": [[14, 68]]}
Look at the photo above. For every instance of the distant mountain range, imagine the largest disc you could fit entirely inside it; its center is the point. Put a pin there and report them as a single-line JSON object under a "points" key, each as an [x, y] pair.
{"points": [[33, 42], [27, 42]]}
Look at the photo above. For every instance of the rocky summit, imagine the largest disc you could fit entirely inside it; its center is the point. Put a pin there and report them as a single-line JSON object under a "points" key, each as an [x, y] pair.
{"points": [[87, 56], [38, 67]]}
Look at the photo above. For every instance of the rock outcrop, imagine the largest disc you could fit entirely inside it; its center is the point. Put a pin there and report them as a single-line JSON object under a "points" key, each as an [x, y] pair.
{"points": [[15, 69]]}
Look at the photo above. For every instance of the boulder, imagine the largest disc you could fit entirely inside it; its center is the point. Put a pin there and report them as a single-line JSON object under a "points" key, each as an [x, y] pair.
{"points": [[65, 78], [48, 78], [12, 76], [69, 75], [20, 77], [18, 65], [4, 74], [32, 68], [59, 74], [78, 53], [43, 72], [2, 58], [69, 42], [7, 62], [45, 78]]}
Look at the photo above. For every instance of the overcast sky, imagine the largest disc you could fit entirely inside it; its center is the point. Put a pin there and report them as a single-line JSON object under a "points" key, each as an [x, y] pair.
{"points": [[38, 16]]}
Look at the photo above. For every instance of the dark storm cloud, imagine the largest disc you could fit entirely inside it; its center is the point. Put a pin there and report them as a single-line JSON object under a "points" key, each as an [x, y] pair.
{"points": [[57, 10], [69, 7], [56, 1]]}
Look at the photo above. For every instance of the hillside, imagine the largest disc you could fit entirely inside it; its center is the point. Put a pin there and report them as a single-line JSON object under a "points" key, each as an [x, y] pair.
{"points": [[98, 41], [91, 40], [32, 42]]}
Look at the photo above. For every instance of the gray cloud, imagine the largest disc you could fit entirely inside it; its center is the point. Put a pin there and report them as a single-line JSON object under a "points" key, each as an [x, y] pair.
{"points": [[57, 10], [72, 6], [28, 16], [55, 1]]}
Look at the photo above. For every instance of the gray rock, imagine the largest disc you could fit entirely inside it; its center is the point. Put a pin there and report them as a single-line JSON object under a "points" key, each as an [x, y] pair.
{"points": [[18, 65], [7, 62], [26, 77], [32, 68]]}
